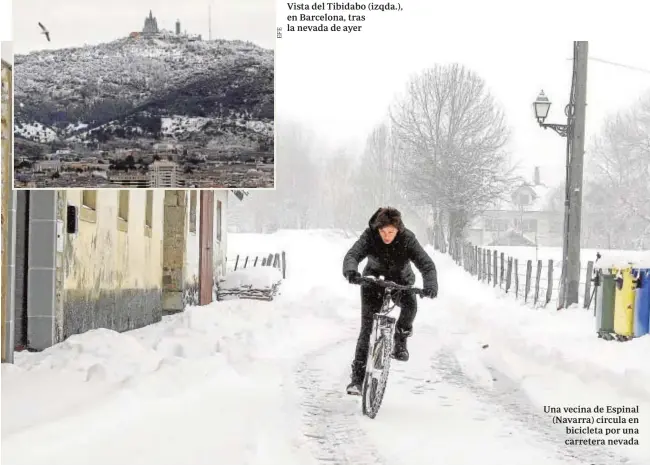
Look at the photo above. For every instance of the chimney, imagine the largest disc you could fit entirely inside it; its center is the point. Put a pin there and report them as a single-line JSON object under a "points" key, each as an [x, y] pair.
{"points": [[536, 177]]}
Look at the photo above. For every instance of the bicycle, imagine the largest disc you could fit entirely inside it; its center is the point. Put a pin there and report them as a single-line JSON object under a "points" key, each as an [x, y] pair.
{"points": [[381, 345]]}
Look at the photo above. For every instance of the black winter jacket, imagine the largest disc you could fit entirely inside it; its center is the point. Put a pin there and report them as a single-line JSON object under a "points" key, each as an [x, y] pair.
{"points": [[391, 260]]}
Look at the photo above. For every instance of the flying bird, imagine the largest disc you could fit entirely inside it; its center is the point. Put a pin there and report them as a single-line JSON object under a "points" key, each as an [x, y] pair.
{"points": [[45, 31]]}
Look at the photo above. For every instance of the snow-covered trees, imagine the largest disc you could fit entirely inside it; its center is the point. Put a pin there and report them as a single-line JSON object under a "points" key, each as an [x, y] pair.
{"points": [[616, 202], [452, 135]]}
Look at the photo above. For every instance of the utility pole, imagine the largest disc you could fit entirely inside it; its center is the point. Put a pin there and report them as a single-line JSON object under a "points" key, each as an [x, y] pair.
{"points": [[577, 135]]}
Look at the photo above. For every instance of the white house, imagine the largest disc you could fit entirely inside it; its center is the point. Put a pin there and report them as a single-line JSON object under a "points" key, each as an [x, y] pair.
{"points": [[523, 219]]}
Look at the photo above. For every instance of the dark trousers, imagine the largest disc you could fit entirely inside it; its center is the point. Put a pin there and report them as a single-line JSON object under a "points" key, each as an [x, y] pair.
{"points": [[371, 300]]}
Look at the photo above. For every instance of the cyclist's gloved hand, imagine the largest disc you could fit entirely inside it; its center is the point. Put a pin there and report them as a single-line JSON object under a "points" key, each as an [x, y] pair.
{"points": [[430, 292], [352, 276]]}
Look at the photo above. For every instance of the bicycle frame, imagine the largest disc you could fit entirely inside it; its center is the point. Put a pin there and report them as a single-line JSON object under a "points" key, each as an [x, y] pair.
{"points": [[383, 329]]}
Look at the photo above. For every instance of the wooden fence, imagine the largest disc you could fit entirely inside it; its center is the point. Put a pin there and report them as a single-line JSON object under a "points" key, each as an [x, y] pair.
{"points": [[277, 260], [536, 282]]}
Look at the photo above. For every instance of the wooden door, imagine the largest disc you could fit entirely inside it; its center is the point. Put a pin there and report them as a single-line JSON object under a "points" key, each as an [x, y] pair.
{"points": [[206, 245]]}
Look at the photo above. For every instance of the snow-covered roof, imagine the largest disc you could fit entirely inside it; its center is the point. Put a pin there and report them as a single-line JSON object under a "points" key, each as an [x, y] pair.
{"points": [[540, 196]]}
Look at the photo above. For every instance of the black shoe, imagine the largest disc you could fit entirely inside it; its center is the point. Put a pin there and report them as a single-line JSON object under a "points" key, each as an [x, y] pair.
{"points": [[356, 378], [354, 388], [400, 352]]}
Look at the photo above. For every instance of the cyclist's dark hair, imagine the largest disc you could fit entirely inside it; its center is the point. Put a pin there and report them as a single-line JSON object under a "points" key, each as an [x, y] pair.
{"points": [[388, 216]]}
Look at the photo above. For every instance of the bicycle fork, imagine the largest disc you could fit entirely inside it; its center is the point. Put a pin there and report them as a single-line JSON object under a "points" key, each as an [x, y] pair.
{"points": [[382, 341]]}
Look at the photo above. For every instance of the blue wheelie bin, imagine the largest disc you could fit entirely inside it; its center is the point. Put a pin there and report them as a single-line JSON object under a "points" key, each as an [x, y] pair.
{"points": [[642, 302]]}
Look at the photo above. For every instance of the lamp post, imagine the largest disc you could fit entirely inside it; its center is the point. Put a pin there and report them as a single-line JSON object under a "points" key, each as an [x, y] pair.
{"points": [[574, 131], [541, 107]]}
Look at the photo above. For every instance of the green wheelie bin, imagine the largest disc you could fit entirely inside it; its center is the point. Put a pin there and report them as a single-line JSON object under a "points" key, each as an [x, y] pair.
{"points": [[605, 302]]}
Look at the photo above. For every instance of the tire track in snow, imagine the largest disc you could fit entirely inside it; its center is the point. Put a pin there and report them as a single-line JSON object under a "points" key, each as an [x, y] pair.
{"points": [[511, 399], [331, 416]]}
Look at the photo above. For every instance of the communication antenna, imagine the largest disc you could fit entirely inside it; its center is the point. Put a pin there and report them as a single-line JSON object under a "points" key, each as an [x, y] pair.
{"points": [[210, 20]]}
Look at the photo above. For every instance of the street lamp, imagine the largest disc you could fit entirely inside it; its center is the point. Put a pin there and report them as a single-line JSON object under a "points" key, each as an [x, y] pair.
{"points": [[574, 132], [541, 106]]}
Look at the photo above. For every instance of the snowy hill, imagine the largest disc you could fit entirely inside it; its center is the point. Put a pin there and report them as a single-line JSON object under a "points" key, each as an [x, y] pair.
{"points": [[147, 87]]}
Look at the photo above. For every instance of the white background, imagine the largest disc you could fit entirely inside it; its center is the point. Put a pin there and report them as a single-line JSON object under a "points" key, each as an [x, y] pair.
{"points": [[5, 20]]}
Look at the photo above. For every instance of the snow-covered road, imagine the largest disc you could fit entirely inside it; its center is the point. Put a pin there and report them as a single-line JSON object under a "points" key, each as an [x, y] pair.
{"points": [[247, 382]]}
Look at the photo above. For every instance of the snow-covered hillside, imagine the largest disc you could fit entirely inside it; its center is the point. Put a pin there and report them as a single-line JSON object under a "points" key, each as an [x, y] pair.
{"points": [[132, 86]]}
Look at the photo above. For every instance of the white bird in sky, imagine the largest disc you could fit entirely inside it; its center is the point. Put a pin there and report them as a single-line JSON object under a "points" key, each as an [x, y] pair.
{"points": [[45, 31]]}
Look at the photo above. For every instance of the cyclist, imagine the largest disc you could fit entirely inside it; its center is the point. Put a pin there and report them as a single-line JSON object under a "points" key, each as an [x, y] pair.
{"points": [[390, 248]]}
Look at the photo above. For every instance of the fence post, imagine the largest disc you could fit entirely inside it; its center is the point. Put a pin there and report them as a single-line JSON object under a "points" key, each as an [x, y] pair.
{"points": [[537, 278], [269, 259], [284, 265], [516, 266], [276, 260], [494, 268], [501, 274], [255, 263], [479, 259], [509, 275], [549, 285], [489, 267], [484, 259], [236, 262], [590, 270], [529, 272]]}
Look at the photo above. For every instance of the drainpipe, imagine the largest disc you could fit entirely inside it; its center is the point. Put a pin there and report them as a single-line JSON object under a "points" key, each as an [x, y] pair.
{"points": [[9, 236], [9, 277]]}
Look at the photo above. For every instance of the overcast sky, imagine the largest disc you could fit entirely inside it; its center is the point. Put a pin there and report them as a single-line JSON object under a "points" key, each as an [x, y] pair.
{"points": [[7, 51], [342, 84], [78, 22]]}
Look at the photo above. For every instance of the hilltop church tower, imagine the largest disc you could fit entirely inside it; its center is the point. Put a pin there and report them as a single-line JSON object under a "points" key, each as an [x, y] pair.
{"points": [[150, 25]]}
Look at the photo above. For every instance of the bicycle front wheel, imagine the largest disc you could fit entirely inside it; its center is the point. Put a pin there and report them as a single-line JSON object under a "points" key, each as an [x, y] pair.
{"points": [[374, 383]]}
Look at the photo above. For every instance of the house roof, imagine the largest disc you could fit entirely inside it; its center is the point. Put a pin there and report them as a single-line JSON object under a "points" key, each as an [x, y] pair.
{"points": [[540, 199]]}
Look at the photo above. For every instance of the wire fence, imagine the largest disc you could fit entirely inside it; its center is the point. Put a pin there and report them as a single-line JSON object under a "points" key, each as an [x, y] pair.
{"points": [[276, 260], [537, 282]]}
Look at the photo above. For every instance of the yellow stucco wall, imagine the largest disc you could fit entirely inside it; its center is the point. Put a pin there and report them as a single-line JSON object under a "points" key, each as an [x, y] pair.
{"points": [[102, 256]]}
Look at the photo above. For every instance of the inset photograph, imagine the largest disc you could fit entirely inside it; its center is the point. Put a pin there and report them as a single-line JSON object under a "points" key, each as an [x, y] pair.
{"points": [[6, 106], [156, 94]]}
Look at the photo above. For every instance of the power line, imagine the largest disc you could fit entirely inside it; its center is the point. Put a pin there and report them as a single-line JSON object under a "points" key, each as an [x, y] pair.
{"points": [[635, 68], [620, 65]]}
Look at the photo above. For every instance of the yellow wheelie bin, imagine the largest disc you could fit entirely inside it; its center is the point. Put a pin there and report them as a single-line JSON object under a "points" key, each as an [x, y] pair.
{"points": [[624, 303]]}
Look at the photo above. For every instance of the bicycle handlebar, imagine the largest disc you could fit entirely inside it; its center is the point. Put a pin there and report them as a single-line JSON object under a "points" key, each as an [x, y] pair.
{"points": [[387, 285]]}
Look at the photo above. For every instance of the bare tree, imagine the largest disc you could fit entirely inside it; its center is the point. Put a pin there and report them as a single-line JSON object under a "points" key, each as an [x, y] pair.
{"points": [[338, 195], [378, 173], [453, 137], [297, 185], [618, 166]]}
